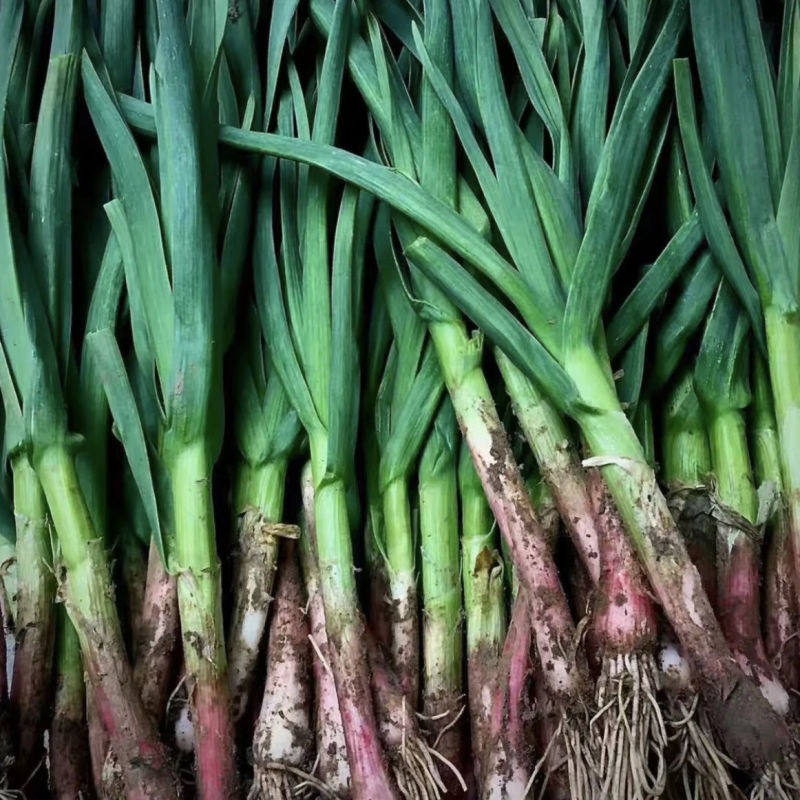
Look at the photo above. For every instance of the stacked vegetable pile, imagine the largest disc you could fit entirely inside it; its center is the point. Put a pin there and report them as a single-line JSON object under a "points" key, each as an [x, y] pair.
{"points": [[401, 399]]}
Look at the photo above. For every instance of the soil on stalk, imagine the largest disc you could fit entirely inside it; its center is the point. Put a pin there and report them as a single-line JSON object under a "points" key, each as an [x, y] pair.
{"points": [[404, 626], [412, 761]]}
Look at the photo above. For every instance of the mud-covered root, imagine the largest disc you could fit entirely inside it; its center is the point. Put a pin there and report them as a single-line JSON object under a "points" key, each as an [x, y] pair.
{"points": [[628, 730], [779, 781], [276, 781], [568, 761], [698, 769]]}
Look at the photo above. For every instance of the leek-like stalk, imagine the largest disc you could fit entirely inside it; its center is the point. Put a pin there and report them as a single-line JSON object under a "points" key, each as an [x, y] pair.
{"points": [[722, 383], [70, 767], [257, 502], [558, 461], [334, 768], [686, 470], [200, 605], [780, 595], [484, 602], [402, 580], [89, 599], [442, 635], [35, 617]]}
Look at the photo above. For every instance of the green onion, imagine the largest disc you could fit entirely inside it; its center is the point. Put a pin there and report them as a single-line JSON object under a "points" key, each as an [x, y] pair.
{"points": [[440, 564], [482, 573]]}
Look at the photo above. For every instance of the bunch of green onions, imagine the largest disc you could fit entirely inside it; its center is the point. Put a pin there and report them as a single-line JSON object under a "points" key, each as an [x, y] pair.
{"points": [[399, 399]]}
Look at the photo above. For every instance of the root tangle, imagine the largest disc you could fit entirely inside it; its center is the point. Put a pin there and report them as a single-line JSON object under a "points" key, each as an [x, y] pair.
{"points": [[699, 770], [780, 781], [628, 731], [276, 781], [570, 748], [415, 772]]}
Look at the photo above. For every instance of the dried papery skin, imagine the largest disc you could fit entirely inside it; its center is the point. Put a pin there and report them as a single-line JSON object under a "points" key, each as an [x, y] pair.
{"points": [[157, 637], [484, 648], [691, 508], [283, 731], [98, 741], [253, 582]]}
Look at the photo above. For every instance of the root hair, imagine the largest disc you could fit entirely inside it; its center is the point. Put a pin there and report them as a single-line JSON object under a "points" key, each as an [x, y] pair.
{"points": [[699, 769], [415, 772], [628, 731], [572, 742], [780, 781], [276, 781]]}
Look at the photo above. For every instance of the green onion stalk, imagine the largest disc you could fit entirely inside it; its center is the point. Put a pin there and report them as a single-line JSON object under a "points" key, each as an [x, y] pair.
{"points": [[6, 743], [266, 430], [440, 560], [780, 597], [699, 768], [379, 336], [283, 736], [459, 357], [35, 618], [751, 110], [624, 624], [153, 603], [686, 468], [722, 384], [42, 287], [71, 774], [177, 325], [508, 754], [596, 407], [406, 403], [482, 571], [316, 358], [402, 586], [333, 769]]}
